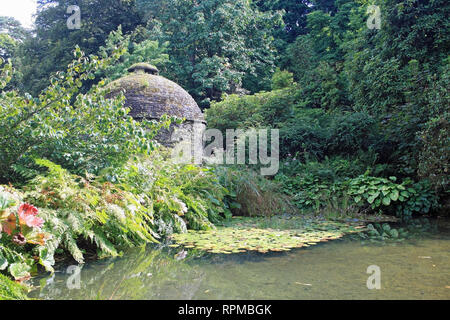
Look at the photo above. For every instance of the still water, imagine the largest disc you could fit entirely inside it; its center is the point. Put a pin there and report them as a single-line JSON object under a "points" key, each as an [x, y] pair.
{"points": [[413, 269]]}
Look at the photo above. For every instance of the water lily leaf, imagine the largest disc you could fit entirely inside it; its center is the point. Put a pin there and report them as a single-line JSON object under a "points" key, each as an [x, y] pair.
{"points": [[371, 199], [239, 237], [19, 270]]}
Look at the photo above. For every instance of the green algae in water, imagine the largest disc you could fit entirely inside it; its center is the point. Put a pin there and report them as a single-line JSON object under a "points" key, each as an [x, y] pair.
{"points": [[243, 234]]}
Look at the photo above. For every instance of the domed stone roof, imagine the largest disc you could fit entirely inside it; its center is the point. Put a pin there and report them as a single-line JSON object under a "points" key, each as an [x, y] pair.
{"points": [[150, 95]]}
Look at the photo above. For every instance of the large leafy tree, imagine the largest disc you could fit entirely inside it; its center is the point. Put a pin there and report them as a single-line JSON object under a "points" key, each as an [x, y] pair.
{"points": [[12, 36], [51, 49], [215, 46], [81, 132], [294, 17]]}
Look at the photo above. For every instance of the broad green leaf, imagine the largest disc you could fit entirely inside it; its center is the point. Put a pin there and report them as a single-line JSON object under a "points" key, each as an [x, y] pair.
{"points": [[394, 195], [372, 198], [46, 259]]}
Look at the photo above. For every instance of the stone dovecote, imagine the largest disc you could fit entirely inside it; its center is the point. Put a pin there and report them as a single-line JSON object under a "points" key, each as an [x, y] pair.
{"points": [[149, 96]]}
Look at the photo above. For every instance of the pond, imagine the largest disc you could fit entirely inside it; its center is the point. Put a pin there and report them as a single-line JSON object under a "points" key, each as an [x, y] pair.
{"points": [[413, 269]]}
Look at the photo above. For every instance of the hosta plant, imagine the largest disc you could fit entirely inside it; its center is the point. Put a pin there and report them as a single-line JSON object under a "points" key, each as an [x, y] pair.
{"points": [[20, 234], [377, 192]]}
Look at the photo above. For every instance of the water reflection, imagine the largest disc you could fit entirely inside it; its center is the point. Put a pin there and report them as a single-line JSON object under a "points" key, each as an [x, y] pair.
{"points": [[414, 269]]}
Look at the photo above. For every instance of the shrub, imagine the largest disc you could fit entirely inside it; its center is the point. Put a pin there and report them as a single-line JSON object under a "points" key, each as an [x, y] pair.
{"points": [[180, 195], [375, 191], [351, 132], [264, 109], [252, 194], [305, 135], [103, 215], [336, 185]]}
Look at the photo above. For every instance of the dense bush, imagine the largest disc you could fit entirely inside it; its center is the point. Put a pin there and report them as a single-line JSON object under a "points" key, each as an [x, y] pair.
{"points": [[303, 131], [10, 290], [250, 111], [353, 132], [151, 198], [323, 189], [305, 135], [282, 79], [434, 158], [252, 194], [422, 199]]}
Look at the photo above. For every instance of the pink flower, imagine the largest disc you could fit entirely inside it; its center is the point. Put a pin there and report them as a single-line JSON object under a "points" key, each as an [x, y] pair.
{"points": [[27, 215]]}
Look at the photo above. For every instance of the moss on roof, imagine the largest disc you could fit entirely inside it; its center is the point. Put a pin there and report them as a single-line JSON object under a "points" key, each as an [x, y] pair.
{"points": [[151, 96]]}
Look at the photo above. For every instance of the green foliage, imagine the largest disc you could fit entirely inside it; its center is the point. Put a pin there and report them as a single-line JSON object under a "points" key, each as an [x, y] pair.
{"points": [[353, 132], [377, 192], [181, 196], [434, 157], [316, 186], [294, 17], [364, 94], [12, 35], [305, 134], [421, 200], [100, 213], [396, 73], [251, 111], [338, 185], [82, 132], [302, 130], [151, 197]]}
